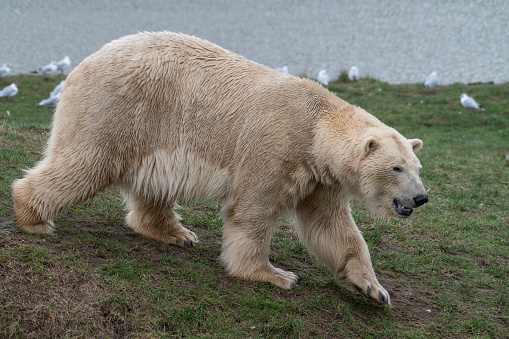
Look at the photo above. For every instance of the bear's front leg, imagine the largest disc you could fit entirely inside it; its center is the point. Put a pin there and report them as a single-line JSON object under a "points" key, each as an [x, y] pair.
{"points": [[246, 246], [327, 229]]}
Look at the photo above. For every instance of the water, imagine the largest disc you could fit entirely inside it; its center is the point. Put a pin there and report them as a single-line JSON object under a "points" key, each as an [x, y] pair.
{"points": [[394, 41]]}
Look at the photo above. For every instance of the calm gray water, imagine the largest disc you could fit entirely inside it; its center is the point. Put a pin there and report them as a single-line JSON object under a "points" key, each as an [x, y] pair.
{"points": [[394, 41]]}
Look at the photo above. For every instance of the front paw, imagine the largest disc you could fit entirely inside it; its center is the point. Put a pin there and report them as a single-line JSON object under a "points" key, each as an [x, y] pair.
{"points": [[362, 277], [374, 291]]}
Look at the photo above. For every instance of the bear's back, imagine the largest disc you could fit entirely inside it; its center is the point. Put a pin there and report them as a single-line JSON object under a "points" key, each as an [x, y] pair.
{"points": [[164, 92]]}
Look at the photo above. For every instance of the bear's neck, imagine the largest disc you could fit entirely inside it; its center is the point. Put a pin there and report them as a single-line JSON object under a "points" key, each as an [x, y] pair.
{"points": [[340, 129]]}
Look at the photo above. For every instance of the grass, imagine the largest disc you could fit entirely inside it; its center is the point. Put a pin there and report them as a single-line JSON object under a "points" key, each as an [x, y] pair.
{"points": [[446, 268]]}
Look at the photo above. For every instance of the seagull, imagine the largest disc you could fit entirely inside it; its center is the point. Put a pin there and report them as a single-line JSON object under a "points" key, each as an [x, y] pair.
{"points": [[469, 102], [283, 69], [353, 74], [48, 69], [57, 89], [431, 80], [4, 70], [52, 100], [9, 91], [54, 95], [323, 78], [63, 64]]}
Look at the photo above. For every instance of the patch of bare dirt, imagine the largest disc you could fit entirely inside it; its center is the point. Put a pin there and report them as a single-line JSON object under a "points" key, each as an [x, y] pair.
{"points": [[43, 298]]}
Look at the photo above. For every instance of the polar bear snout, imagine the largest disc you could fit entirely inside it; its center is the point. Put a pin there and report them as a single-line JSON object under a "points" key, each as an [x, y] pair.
{"points": [[420, 200], [404, 209]]}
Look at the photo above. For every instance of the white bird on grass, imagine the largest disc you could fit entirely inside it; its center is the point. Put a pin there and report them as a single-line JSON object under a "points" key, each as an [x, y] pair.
{"points": [[283, 69], [4, 70], [63, 64], [469, 102], [9, 91], [47, 70], [431, 80], [323, 77], [57, 89], [54, 95], [52, 100], [353, 73]]}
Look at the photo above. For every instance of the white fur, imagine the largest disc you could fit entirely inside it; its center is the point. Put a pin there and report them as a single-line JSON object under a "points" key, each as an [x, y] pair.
{"points": [[169, 176]]}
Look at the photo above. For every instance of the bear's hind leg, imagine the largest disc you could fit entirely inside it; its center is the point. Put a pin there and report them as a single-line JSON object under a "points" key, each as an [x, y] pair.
{"points": [[246, 248], [158, 221], [32, 214], [51, 186]]}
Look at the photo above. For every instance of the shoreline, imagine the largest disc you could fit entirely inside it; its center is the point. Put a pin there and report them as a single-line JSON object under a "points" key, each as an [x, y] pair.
{"points": [[463, 41]]}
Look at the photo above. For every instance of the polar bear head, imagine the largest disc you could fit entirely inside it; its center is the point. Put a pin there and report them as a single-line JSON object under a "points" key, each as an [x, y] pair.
{"points": [[388, 170], [371, 162]]}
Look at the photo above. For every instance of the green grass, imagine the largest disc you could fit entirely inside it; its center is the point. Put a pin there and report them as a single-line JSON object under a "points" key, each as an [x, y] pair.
{"points": [[446, 268]]}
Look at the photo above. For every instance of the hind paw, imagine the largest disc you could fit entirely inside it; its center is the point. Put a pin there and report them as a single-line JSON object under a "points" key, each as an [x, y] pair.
{"points": [[187, 238], [182, 237], [46, 227], [280, 278]]}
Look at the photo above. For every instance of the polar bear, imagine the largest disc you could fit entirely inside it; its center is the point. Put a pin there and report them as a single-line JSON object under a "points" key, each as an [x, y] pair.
{"points": [[165, 116]]}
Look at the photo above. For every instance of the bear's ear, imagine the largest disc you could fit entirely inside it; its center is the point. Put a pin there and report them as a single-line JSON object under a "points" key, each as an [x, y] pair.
{"points": [[416, 144], [369, 144]]}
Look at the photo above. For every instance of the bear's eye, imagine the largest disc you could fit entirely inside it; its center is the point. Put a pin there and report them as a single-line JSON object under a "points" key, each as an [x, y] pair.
{"points": [[397, 169]]}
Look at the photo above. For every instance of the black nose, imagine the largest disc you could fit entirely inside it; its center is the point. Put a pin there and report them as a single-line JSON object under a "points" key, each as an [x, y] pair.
{"points": [[421, 199]]}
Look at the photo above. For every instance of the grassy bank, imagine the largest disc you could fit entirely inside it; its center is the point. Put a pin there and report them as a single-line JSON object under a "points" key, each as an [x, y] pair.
{"points": [[446, 268]]}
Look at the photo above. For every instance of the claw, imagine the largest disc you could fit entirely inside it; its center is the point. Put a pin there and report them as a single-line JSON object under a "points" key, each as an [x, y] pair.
{"points": [[369, 290], [381, 297]]}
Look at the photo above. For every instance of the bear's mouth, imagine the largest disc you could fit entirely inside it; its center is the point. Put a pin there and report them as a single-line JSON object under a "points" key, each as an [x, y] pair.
{"points": [[402, 210]]}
